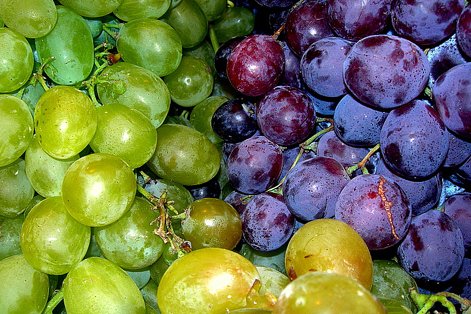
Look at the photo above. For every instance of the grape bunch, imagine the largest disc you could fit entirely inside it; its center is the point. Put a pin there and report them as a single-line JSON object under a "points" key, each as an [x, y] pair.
{"points": [[244, 156]]}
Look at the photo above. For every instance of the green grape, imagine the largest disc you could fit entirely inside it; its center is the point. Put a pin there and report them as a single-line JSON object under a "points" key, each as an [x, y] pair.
{"points": [[179, 195], [126, 133], [329, 245], [16, 192], [45, 172], [31, 18], [23, 289], [65, 120], [189, 22], [51, 240], [158, 269], [149, 295], [36, 199], [30, 94], [151, 44], [205, 52], [191, 82], [202, 114], [140, 277], [130, 242], [136, 9], [16, 60], [235, 22], [184, 155], [68, 62], [17, 128], [323, 292], [10, 229], [97, 285], [135, 87], [98, 189], [92, 8], [209, 280], [272, 280], [273, 259], [212, 9], [95, 25], [211, 222]]}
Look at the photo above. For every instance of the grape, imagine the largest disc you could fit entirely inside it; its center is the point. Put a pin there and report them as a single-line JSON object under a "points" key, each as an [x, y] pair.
{"points": [[151, 44], [174, 191], [65, 121], [17, 128], [30, 18], [255, 65], [458, 207], [292, 73], [238, 201], [356, 124], [10, 236], [462, 280], [23, 288], [458, 152], [273, 281], [126, 133], [414, 141], [437, 19], [289, 157], [97, 285], [323, 292], [212, 188], [71, 63], [202, 114], [276, 3], [385, 71], [235, 22], [16, 192], [354, 20], [222, 55], [329, 245], [130, 242], [98, 189], [130, 10], [51, 240], [324, 106], [203, 51], [16, 60], [376, 208], [212, 9], [433, 249], [273, 259], [312, 187], [331, 146], [306, 24], [452, 95], [135, 87], [463, 31], [92, 8], [254, 165]]}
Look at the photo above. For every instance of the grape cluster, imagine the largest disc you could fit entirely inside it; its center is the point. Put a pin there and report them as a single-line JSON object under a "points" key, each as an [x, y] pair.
{"points": [[245, 156]]}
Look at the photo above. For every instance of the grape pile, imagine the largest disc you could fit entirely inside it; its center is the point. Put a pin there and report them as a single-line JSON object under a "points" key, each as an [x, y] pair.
{"points": [[244, 156]]}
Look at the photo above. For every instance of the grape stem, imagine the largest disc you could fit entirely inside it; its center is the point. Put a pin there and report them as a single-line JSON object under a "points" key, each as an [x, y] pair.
{"points": [[38, 76], [425, 302], [362, 163], [213, 38], [54, 301]]}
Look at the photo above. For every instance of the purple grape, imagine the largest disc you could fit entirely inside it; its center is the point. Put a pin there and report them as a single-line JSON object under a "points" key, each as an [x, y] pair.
{"points": [[462, 281], [267, 224], [255, 65], [306, 24], [208, 189], [452, 95], [425, 22], [385, 71], [321, 66], [433, 249], [458, 207], [324, 106], [276, 3], [312, 187], [354, 20], [292, 73], [423, 195], [330, 145], [238, 201], [414, 141], [289, 156], [356, 124], [458, 152], [286, 116], [221, 56], [462, 175], [463, 31], [254, 165]]}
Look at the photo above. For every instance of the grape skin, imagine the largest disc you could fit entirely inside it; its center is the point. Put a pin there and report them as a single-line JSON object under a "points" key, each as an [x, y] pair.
{"points": [[463, 31]]}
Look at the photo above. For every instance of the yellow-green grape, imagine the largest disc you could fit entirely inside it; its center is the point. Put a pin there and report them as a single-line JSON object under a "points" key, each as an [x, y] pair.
{"points": [[16, 129], [23, 288], [16, 60], [272, 280], [98, 189], [51, 240], [97, 285], [16, 191], [212, 9], [92, 8], [10, 236], [31, 18], [202, 114], [65, 121], [136, 9], [45, 172]]}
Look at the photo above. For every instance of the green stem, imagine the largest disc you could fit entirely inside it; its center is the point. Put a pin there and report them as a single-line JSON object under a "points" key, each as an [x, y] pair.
{"points": [[306, 145], [362, 163], [54, 301], [230, 4], [213, 38], [425, 302]]}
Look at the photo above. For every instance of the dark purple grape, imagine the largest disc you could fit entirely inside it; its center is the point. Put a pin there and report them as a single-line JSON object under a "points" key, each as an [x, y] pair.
{"points": [[386, 71], [322, 65], [289, 157], [324, 106], [354, 20], [425, 22], [357, 124], [330, 145], [276, 3], [458, 152], [234, 120], [238, 201], [312, 187], [286, 116], [433, 249], [422, 195], [210, 189], [267, 224], [254, 165], [463, 31], [306, 24], [452, 95], [414, 141], [226, 150], [221, 56], [255, 65], [458, 207], [376, 208], [462, 282], [292, 73]]}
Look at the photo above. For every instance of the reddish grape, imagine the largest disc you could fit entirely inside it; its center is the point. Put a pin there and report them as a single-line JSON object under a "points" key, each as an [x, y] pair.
{"points": [[291, 74]]}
